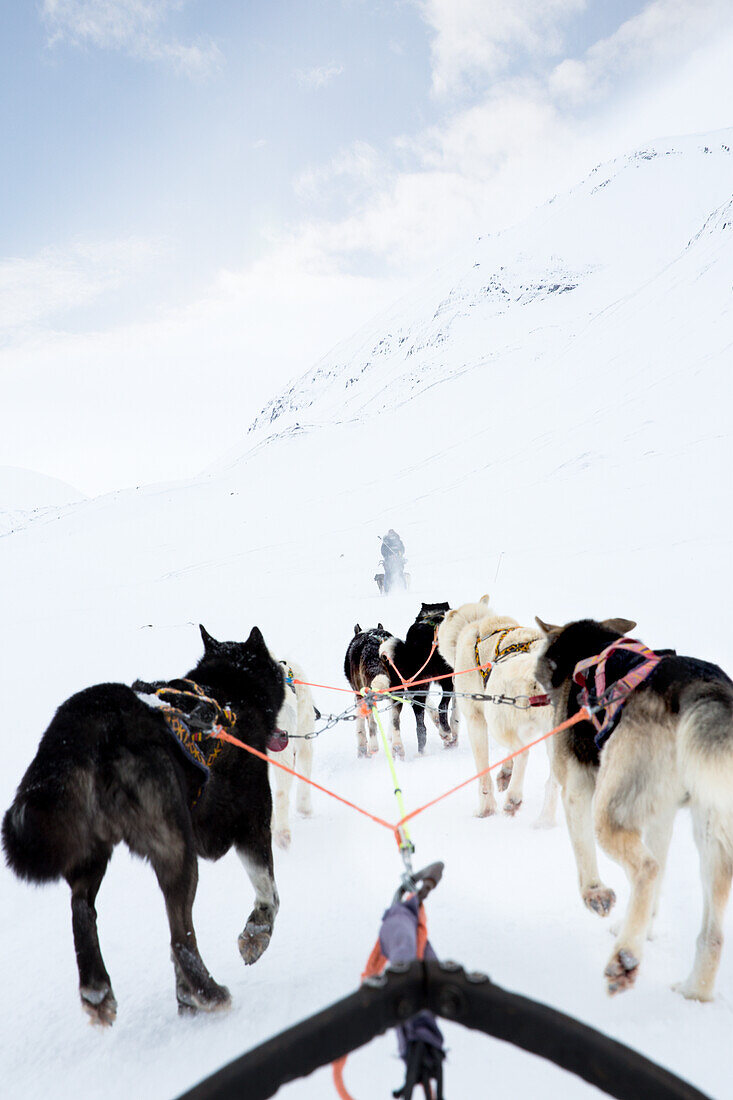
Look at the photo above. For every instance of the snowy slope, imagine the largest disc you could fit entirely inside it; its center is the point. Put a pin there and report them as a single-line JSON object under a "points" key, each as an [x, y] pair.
{"points": [[564, 449], [617, 229], [26, 496]]}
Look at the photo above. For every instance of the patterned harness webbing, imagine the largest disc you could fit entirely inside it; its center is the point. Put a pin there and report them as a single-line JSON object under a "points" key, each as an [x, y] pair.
{"points": [[515, 647], [200, 747], [611, 700]]}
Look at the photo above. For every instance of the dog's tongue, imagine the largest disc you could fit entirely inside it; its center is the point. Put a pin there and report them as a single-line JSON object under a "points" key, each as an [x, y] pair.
{"points": [[277, 741]]}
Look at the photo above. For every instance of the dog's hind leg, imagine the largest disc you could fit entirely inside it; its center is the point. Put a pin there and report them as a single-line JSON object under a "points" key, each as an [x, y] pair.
{"points": [[304, 764], [256, 857], [657, 837], [453, 717], [448, 729], [398, 749], [177, 872], [515, 791], [361, 741], [548, 814], [95, 988], [504, 777], [716, 870], [578, 784], [479, 737], [419, 705], [282, 781], [626, 847]]}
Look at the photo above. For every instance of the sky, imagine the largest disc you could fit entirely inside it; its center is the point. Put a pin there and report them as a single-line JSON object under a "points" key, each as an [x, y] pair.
{"points": [[200, 198]]}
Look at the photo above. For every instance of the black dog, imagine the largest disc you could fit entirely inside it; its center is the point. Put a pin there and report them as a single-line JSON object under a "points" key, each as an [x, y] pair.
{"points": [[108, 770], [366, 671], [418, 658]]}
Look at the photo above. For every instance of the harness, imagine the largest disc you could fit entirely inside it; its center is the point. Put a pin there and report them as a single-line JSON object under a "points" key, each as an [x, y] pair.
{"points": [[515, 647], [610, 701], [192, 717], [289, 676]]}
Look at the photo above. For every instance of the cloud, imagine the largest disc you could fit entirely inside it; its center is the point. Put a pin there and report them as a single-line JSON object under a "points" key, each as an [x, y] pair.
{"points": [[661, 33], [355, 171], [136, 405], [134, 27], [477, 40], [486, 165], [318, 77], [42, 288]]}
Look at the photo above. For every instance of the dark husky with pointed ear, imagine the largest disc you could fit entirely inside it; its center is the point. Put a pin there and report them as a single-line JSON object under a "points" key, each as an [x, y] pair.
{"points": [[417, 658], [107, 770], [365, 671], [672, 745]]}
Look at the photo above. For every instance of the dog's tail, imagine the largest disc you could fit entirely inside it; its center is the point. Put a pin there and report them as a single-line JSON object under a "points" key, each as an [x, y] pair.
{"points": [[705, 747], [33, 847]]}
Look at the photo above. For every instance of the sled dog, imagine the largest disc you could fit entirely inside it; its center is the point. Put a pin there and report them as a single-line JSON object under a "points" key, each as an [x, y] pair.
{"points": [[108, 769], [671, 745], [297, 720], [418, 658], [471, 636], [366, 671]]}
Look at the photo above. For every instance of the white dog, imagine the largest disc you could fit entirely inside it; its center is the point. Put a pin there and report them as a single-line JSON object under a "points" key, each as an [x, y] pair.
{"points": [[472, 635], [297, 719]]}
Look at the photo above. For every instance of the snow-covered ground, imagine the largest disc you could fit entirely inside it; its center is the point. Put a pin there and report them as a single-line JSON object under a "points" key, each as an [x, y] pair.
{"points": [[547, 420], [26, 496]]}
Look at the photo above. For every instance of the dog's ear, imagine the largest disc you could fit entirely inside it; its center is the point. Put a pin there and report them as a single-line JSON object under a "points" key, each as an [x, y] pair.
{"points": [[623, 626], [485, 600], [210, 644], [424, 605], [379, 626], [256, 639], [547, 628], [357, 629]]}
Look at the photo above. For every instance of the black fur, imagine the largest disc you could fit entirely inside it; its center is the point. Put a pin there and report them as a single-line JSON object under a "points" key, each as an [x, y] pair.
{"points": [[410, 658], [107, 770], [674, 678], [362, 661]]}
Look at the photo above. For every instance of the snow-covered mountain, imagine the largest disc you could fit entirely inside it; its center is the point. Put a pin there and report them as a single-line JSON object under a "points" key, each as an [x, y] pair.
{"points": [[546, 419], [26, 494], [580, 254]]}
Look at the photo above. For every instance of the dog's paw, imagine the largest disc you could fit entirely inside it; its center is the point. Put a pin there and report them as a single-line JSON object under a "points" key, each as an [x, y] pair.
{"points": [[543, 822], [692, 991], [599, 899], [511, 806], [306, 810], [254, 941], [100, 1005], [214, 998], [485, 811], [361, 751], [282, 838], [398, 752], [503, 779], [621, 972]]}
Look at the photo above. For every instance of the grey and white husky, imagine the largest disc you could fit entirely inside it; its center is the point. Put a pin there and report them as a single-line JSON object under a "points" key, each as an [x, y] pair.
{"points": [[671, 746]]}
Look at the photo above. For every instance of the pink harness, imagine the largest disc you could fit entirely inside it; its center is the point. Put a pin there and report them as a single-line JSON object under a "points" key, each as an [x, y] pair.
{"points": [[611, 700]]}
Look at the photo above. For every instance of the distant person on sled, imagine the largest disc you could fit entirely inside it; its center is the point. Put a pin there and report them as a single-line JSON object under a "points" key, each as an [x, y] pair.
{"points": [[393, 561]]}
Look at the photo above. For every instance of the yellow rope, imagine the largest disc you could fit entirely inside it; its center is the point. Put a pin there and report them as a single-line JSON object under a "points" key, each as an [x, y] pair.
{"points": [[393, 771]]}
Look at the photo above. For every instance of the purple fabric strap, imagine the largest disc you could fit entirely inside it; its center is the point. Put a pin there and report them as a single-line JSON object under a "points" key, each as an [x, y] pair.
{"points": [[398, 941]]}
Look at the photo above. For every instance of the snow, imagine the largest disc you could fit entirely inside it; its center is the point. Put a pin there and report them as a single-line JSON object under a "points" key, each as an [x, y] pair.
{"points": [[26, 495], [566, 451]]}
